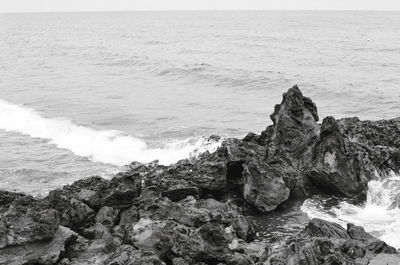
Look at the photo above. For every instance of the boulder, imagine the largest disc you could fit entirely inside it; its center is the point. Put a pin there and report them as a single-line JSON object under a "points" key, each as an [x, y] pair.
{"points": [[107, 216], [129, 216], [339, 166], [26, 221], [42, 252], [326, 243], [321, 228], [264, 187], [150, 236], [208, 244], [77, 215]]}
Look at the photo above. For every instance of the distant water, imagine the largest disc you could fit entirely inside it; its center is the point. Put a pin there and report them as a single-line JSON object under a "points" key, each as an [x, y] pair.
{"points": [[86, 93]]}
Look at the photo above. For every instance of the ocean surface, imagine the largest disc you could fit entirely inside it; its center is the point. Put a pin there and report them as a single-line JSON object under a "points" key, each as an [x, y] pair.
{"points": [[86, 93]]}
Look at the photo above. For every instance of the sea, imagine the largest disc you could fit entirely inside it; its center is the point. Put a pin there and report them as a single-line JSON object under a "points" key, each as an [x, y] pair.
{"points": [[85, 94]]}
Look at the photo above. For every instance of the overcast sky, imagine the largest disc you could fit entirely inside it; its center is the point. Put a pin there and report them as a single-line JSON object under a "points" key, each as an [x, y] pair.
{"points": [[105, 5]]}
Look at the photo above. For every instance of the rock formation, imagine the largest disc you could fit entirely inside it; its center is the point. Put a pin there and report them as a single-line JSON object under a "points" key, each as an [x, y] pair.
{"points": [[200, 210]]}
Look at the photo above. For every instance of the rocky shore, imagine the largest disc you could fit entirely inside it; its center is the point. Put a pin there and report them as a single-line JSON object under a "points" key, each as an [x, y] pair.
{"points": [[201, 210]]}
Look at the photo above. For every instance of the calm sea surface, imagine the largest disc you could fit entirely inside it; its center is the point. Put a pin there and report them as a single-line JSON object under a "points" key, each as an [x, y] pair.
{"points": [[86, 93]]}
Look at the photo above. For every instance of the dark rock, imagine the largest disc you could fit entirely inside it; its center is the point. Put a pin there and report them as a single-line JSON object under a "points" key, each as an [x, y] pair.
{"points": [[243, 228], [85, 190], [180, 261], [150, 236], [6, 198], [381, 139], [339, 166], [295, 128], [122, 190], [264, 187], [378, 246], [41, 252], [107, 216], [77, 215], [26, 221], [321, 228], [97, 192], [97, 231], [323, 242], [358, 233], [129, 216], [128, 255], [121, 255], [179, 192]]}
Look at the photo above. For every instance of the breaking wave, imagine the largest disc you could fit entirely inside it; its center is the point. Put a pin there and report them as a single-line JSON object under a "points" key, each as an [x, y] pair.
{"points": [[380, 215], [107, 146]]}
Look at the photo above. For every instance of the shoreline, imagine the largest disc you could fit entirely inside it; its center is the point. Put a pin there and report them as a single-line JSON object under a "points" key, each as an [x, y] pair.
{"points": [[201, 210]]}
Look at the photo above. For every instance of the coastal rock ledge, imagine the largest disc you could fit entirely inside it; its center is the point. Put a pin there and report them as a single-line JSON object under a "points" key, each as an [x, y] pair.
{"points": [[201, 210]]}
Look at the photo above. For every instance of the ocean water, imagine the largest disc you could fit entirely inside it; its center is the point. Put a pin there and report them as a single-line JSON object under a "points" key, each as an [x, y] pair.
{"points": [[86, 93]]}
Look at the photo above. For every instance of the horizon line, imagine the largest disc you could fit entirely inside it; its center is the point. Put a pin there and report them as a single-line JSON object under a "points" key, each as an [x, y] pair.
{"points": [[197, 10]]}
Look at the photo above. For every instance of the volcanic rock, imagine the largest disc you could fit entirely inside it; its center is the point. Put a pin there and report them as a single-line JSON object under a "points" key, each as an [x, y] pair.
{"points": [[27, 220], [40, 252]]}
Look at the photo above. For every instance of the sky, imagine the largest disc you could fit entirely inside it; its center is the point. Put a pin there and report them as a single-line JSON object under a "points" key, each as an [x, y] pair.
{"points": [[127, 5]]}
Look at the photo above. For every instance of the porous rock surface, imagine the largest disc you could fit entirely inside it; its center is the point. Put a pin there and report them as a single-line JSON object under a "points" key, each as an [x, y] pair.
{"points": [[199, 210]]}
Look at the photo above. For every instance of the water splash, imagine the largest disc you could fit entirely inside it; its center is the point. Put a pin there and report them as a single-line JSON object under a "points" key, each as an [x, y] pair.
{"points": [[380, 215]]}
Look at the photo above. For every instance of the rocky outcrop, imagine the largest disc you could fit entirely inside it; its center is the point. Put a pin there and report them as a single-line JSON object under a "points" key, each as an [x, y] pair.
{"points": [[200, 210], [295, 129], [323, 243]]}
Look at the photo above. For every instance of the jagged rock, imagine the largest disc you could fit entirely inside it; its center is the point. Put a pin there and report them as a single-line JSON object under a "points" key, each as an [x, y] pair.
{"points": [[264, 187], [380, 138], [326, 243], [122, 190], [27, 220], [107, 216], [43, 252], [295, 128], [243, 228], [209, 244], [97, 231], [338, 166], [321, 228], [128, 255], [150, 235], [179, 192], [358, 233], [97, 192], [77, 215], [6, 198], [121, 255], [129, 216], [180, 261], [84, 190]]}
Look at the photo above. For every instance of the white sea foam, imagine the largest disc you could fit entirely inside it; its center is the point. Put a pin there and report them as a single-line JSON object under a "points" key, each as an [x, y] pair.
{"points": [[379, 215], [107, 146]]}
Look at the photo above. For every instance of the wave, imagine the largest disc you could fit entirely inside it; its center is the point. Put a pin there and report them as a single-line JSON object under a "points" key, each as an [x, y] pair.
{"points": [[380, 215], [194, 72], [107, 146]]}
